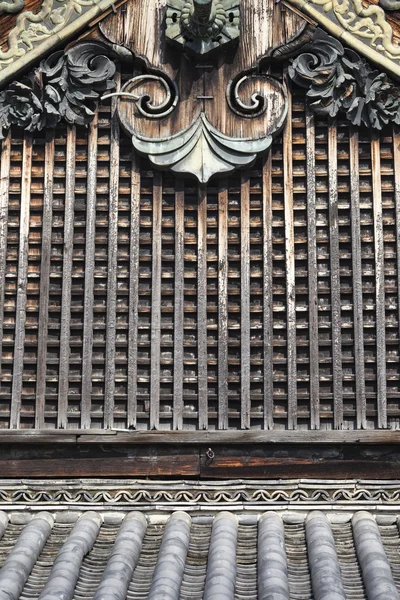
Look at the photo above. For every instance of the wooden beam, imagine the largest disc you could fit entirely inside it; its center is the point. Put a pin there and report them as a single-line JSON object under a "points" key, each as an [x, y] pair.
{"points": [[65, 330], [245, 437], [202, 366], [87, 350], [111, 332], [133, 292], [20, 313]]}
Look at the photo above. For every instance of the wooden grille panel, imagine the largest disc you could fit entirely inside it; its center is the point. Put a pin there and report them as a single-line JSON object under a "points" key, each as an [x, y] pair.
{"points": [[266, 300]]}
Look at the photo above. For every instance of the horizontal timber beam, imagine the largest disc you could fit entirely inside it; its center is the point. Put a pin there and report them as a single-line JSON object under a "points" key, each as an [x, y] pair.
{"points": [[54, 436]]}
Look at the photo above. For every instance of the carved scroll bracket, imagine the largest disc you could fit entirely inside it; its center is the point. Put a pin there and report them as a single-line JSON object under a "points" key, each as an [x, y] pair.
{"points": [[201, 149]]}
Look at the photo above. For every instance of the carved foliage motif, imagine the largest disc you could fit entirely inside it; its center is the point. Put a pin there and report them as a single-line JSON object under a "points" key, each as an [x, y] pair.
{"points": [[66, 86], [337, 79]]}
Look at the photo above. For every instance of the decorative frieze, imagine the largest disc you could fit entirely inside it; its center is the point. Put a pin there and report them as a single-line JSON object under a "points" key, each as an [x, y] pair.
{"points": [[236, 493]]}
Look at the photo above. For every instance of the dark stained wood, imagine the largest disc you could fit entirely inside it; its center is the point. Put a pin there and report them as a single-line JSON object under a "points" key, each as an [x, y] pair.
{"points": [[112, 265], [65, 327], [281, 468], [246, 437], [87, 349], [268, 316], [156, 303], [20, 313], [134, 232], [179, 304], [312, 270], [223, 306], [290, 272], [396, 162], [335, 278], [202, 382], [141, 466], [379, 281], [245, 301], [4, 189], [45, 279], [357, 281]]}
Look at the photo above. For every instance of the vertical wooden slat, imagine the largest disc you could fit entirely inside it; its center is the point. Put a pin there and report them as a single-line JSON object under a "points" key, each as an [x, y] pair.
{"points": [[45, 279], [379, 281], [268, 318], [290, 271], [18, 366], [335, 278], [245, 300], [179, 303], [87, 349], [133, 293], [223, 306], [109, 390], [312, 270], [156, 304], [396, 163], [361, 420], [4, 189], [202, 371], [65, 332]]}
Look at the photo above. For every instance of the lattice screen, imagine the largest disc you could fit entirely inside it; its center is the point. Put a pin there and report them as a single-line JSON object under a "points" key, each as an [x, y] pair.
{"points": [[135, 299]]}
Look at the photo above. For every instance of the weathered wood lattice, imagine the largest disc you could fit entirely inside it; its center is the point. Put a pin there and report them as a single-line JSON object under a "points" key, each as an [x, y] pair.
{"points": [[267, 300]]}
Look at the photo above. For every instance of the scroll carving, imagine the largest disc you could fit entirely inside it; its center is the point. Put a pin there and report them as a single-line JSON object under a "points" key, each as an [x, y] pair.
{"points": [[338, 79], [8, 8], [201, 149], [66, 86]]}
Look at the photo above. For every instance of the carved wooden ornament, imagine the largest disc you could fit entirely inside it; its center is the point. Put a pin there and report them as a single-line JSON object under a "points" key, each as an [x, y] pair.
{"points": [[200, 105]]}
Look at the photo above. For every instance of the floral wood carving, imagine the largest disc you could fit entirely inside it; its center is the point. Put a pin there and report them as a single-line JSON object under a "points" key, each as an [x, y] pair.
{"points": [[337, 79], [66, 86], [196, 116]]}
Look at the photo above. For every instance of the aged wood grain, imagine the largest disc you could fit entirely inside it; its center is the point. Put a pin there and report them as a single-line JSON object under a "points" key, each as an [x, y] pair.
{"points": [[335, 278], [202, 370], [19, 345], [4, 189], [290, 273], [245, 300], [179, 303], [312, 270], [45, 279], [112, 265], [268, 316], [65, 326], [379, 282], [223, 306], [134, 233], [156, 303], [357, 281], [87, 349], [141, 466], [396, 162]]}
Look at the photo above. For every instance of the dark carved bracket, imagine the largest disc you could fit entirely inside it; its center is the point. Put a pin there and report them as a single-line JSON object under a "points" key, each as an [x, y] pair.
{"points": [[338, 79], [66, 86]]}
